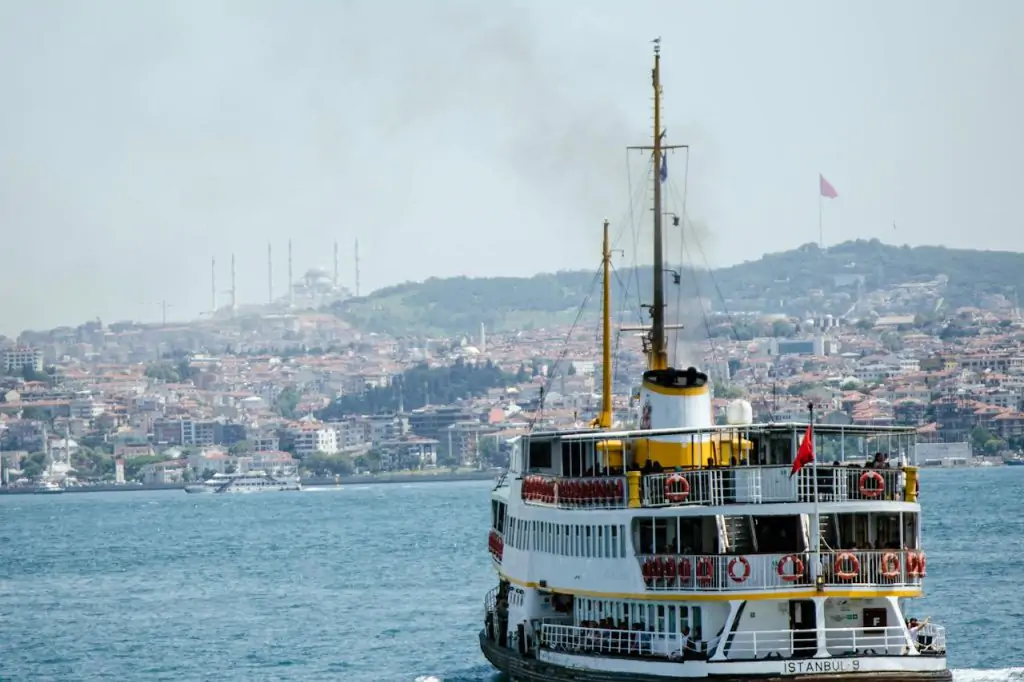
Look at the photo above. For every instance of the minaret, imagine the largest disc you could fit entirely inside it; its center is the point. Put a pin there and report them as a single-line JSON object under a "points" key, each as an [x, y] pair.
{"points": [[213, 285], [270, 274], [357, 268], [291, 282], [234, 291], [483, 338], [335, 266]]}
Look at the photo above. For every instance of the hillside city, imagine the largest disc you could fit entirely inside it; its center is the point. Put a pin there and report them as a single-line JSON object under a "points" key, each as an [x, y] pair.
{"points": [[304, 390]]}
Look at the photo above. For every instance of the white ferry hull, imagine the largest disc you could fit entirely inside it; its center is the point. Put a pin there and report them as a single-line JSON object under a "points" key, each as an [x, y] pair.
{"points": [[556, 667], [284, 487]]}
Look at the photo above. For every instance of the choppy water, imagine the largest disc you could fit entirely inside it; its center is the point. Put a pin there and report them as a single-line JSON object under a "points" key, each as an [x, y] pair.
{"points": [[371, 583]]}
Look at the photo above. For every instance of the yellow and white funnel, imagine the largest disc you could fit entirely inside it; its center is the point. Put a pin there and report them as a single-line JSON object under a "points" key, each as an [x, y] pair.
{"points": [[677, 399]]}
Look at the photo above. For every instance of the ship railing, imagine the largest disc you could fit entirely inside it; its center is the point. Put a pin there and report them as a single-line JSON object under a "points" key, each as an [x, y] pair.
{"points": [[752, 484], [585, 640], [737, 573], [491, 601], [931, 639], [756, 645], [873, 567], [591, 492], [678, 488], [724, 573]]}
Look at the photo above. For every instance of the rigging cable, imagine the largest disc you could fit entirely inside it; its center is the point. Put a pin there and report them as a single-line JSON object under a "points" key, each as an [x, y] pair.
{"points": [[565, 348]]}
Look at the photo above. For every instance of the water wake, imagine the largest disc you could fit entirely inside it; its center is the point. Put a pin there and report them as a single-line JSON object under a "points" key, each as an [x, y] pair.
{"points": [[1015, 674]]}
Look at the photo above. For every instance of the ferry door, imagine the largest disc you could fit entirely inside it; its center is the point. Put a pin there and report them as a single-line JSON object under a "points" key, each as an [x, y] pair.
{"points": [[802, 617]]}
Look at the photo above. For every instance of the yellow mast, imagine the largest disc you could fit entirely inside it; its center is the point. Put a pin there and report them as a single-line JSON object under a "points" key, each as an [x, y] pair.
{"points": [[658, 357], [604, 420]]}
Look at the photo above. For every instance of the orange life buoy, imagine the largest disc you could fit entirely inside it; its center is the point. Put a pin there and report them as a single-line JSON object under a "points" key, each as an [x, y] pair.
{"points": [[674, 495], [685, 570], [890, 565], [746, 569], [852, 560], [915, 564], [875, 491], [671, 568], [705, 570], [798, 568]]}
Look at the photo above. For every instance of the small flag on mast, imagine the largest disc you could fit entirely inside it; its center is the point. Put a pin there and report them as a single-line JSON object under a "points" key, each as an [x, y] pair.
{"points": [[664, 167], [825, 188], [805, 455]]}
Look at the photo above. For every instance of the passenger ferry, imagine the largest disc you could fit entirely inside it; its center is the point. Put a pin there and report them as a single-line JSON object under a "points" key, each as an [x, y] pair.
{"points": [[248, 482], [687, 550]]}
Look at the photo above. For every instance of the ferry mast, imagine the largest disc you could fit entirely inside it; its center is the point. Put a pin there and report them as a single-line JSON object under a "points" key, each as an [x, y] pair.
{"points": [[657, 347]]}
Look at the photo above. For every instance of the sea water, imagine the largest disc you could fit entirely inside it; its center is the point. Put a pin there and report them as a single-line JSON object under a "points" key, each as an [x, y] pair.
{"points": [[374, 583]]}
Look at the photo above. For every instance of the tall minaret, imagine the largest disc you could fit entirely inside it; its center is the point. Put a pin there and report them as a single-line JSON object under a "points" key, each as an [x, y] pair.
{"points": [[357, 268], [291, 282], [335, 265], [213, 285], [234, 290], [483, 338], [270, 274]]}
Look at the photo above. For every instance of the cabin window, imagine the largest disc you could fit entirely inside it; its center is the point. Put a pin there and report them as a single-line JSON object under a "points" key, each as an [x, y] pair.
{"points": [[678, 535], [540, 455], [578, 459], [910, 531], [779, 534]]}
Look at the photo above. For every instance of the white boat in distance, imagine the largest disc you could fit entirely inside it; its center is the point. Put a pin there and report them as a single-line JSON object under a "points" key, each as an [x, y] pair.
{"points": [[48, 487], [686, 550], [247, 482]]}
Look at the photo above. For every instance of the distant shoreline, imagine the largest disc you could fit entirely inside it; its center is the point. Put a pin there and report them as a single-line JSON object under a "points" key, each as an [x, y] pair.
{"points": [[447, 477]]}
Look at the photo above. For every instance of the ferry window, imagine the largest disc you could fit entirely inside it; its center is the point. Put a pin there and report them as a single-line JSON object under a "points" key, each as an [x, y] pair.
{"points": [[588, 547], [615, 542], [887, 531], [601, 541], [690, 534], [778, 534], [608, 541], [566, 538], [696, 629], [540, 455], [622, 541], [910, 531], [577, 541], [578, 459]]}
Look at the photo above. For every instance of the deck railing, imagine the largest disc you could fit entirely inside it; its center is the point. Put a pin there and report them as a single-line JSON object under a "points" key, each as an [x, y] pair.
{"points": [[721, 485], [746, 646], [720, 573], [743, 646], [491, 600], [737, 573], [573, 639], [592, 492], [873, 567], [696, 486]]}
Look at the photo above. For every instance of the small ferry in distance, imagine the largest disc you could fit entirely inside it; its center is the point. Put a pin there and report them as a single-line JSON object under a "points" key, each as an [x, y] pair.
{"points": [[688, 550], [1014, 461], [48, 486], [246, 482]]}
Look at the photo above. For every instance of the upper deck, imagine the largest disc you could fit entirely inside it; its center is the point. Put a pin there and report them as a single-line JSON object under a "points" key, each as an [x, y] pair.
{"points": [[721, 465]]}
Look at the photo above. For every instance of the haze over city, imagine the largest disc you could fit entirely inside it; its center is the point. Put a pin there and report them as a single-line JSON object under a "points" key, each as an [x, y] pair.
{"points": [[141, 139]]}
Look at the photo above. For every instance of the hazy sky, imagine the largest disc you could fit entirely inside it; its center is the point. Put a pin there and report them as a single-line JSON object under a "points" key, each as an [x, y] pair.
{"points": [[140, 139]]}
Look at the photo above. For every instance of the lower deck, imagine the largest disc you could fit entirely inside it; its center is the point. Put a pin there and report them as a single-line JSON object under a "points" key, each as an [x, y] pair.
{"points": [[544, 666], [820, 635]]}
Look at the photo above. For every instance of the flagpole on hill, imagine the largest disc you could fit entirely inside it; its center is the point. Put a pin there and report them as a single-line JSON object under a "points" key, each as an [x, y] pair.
{"points": [[825, 191]]}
